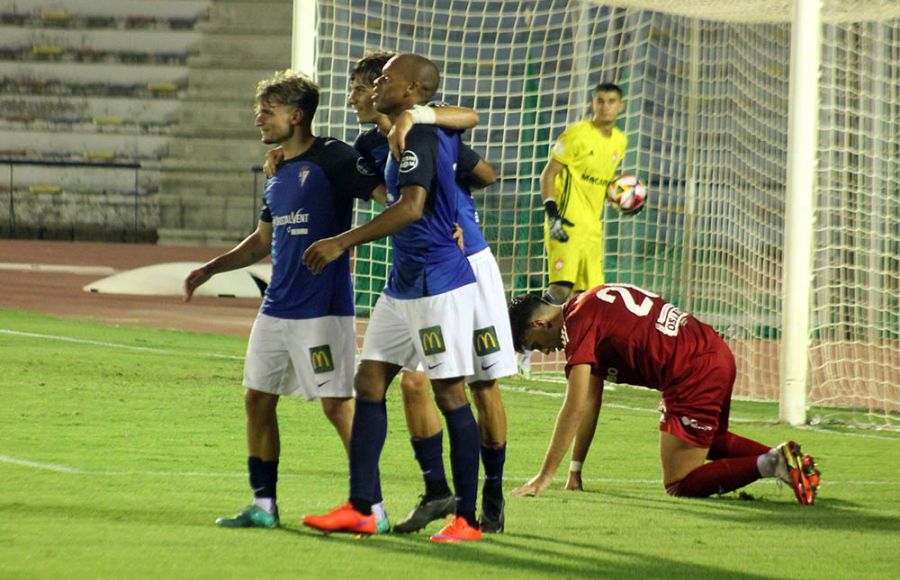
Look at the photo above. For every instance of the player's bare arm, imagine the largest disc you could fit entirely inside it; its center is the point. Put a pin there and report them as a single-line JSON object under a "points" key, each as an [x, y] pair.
{"points": [[580, 380], [548, 195], [252, 249], [407, 210], [482, 175], [379, 195], [583, 437], [548, 179], [458, 118]]}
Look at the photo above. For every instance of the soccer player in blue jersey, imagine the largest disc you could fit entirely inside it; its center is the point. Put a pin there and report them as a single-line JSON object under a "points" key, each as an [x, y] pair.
{"points": [[425, 313], [302, 342], [492, 340]]}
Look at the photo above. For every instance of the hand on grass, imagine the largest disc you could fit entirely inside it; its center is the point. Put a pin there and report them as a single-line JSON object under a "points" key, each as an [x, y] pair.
{"points": [[573, 483], [534, 487]]}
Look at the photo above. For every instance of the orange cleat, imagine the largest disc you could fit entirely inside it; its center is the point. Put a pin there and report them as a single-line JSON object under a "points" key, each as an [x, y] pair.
{"points": [[343, 519], [799, 471], [458, 530]]}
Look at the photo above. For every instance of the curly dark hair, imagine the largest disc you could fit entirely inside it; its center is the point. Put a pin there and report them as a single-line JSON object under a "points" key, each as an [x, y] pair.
{"points": [[521, 311]]}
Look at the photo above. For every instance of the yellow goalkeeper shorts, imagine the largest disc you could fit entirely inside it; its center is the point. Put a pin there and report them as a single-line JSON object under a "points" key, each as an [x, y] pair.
{"points": [[579, 262]]}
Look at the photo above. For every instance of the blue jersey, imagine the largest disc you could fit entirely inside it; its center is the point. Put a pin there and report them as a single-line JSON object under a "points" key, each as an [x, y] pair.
{"points": [[310, 197], [374, 148], [372, 145], [467, 216], [426, 259]]}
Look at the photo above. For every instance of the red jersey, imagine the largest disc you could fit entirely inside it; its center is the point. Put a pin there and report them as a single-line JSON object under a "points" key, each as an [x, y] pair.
{"points": [[629, 335]]}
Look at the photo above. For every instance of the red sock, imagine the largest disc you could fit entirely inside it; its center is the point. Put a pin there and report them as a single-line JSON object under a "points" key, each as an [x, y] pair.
{"points": [[730, 445], [719, 476]]}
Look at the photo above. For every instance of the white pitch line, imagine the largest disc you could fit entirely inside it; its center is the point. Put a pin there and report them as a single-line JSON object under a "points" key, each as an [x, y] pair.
{"points": [[513, 389], [38, 465], [116, 345], [125, 473]]}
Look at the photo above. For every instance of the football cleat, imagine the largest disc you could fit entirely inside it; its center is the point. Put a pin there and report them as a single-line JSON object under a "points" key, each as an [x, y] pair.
{"points": [[382, 525], [458, 530], [343, 519], [809, 468], [492, 518], [252, 517], [798, 471], [426, 511]]}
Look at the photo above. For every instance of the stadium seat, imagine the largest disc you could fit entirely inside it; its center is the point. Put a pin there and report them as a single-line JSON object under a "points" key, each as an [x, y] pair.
{"points": [[47, 51], [56, 18], [44, 188]]}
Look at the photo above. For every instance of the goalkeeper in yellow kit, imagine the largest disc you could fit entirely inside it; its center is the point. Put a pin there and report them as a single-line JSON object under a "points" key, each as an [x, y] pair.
{"points": [[573, 187]]}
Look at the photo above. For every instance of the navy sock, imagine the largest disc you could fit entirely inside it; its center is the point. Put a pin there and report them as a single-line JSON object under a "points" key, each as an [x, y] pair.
{"points": [[493, 459], [430, 455], [465, 441], [366, 443], [376, 496], [263, 477]]}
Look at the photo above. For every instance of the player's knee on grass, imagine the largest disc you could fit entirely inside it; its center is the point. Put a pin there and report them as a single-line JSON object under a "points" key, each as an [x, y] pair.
{"points": [[674, 488]]}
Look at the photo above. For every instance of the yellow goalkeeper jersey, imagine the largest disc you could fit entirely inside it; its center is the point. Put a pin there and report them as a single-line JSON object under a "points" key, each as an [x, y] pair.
{"points": [[591, 160]]}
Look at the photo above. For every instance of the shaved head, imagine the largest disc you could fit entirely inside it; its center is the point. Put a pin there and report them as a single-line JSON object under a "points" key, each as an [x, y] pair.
{"points": [[420, 70]]}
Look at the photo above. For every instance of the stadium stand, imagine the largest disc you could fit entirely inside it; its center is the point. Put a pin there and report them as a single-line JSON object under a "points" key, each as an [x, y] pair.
{"points": [[167, 85]]}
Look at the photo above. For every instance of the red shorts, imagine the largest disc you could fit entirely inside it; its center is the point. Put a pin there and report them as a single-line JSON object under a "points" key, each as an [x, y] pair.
{"points": [[696, 410]]}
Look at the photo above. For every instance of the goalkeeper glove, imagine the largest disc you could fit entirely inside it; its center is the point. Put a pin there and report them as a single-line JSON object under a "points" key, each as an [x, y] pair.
{"points": [[556, 222]]}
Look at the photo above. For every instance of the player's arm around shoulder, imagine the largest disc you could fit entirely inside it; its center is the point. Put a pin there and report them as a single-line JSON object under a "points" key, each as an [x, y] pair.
{"points": [[407, 210], [457, 118], [570, 414], [252, 249]]}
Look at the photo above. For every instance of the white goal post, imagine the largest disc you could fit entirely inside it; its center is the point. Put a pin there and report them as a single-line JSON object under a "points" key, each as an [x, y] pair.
{"points": [[770, 153]]}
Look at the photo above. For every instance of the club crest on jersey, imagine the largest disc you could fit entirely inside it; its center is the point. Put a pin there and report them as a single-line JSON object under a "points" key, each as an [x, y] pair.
{"points": [[432, 340], [321, 359], [304, 173], [409, 161], [486, 341], [558, 264], [363, 167], [615, 156]]}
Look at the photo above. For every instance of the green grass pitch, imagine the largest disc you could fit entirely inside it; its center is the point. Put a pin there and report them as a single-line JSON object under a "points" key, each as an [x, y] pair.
{"points": [[120, 446]]}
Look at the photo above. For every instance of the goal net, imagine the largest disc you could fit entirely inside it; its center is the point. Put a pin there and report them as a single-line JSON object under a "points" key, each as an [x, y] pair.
{"points": [[706, 92]]}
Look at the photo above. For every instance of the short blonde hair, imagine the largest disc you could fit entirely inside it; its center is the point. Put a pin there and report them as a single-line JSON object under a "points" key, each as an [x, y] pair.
{"points": [[289, 87]]}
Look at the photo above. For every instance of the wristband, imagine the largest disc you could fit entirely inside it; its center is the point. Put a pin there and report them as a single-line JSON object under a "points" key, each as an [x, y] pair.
{"points": [[551, 209], [575, 466], [423, 115]]}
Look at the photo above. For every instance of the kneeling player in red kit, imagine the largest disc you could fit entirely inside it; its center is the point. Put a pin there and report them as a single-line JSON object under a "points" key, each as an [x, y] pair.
{"points": [[624, 334]]}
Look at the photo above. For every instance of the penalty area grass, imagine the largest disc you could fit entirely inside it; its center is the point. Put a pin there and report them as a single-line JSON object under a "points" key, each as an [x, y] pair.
{"points": [[120, 446]]}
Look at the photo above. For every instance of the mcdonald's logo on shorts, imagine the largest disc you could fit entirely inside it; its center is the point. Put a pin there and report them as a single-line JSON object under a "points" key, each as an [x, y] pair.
{"points": [[321, 359], [486, 341], [432, 340]]}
